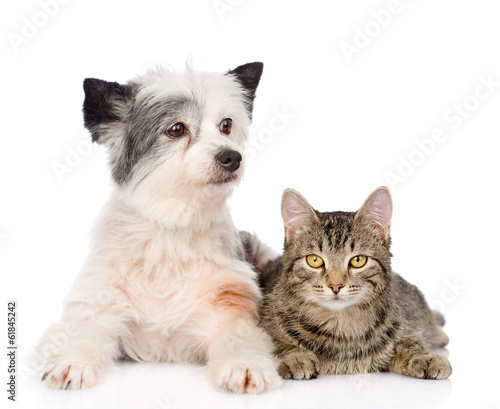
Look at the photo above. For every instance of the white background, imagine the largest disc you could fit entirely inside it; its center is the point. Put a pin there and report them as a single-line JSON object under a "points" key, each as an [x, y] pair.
{"points": [[352, 121]]}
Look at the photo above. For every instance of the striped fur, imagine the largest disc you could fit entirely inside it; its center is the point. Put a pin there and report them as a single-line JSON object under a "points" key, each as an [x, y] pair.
{"points": [[377, 322]]}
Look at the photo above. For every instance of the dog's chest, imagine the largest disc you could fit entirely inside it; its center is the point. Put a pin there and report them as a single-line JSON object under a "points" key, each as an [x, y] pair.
{"points": [[169, 285], [165, 278]]}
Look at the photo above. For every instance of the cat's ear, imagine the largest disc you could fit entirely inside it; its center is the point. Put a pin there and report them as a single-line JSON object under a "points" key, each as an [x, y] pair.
{"points": [[297, 213], [377, 211]]}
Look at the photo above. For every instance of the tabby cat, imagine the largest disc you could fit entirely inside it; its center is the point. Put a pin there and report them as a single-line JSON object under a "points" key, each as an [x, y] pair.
{"points": [[333, 305]]}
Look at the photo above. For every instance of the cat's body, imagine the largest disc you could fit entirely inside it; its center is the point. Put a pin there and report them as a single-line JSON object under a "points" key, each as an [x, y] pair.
{"points": [[329, 317]]}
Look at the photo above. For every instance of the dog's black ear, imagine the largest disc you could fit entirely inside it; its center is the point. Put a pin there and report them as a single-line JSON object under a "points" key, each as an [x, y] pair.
{"points": [[248, 75], [102, 104]]}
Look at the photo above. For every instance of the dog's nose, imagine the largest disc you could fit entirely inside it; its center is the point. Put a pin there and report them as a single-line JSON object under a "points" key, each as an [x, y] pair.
{"points": [[230, 160]]}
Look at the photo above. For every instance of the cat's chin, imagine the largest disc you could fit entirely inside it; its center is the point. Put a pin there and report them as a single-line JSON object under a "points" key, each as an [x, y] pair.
{"points": [[337, 304]]}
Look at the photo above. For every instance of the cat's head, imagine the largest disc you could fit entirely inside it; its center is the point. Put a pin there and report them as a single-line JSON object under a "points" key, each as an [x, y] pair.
{"points": [[337, 259]]}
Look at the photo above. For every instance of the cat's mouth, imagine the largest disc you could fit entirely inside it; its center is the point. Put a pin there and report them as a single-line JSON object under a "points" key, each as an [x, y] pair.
{"points": [[337, 299], [337, 302]]}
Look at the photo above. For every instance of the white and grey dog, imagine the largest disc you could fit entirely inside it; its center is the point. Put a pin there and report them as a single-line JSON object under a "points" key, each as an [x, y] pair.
{"points": [[166, 278]]}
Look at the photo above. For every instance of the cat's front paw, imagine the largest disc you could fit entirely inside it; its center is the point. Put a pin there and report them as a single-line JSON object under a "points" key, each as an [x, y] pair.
{"points": [[429, 366], [69, 375], [299, 365]]}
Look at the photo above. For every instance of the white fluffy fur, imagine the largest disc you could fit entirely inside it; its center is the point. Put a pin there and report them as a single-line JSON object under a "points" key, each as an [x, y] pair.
{"points": [[163, 281]]}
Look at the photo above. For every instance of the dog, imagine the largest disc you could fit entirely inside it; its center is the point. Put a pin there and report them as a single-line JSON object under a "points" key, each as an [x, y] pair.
{"points": [[166, 279]]}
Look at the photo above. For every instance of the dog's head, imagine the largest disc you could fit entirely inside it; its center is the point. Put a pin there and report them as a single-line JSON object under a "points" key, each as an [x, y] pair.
{"points": [[174, 139]]}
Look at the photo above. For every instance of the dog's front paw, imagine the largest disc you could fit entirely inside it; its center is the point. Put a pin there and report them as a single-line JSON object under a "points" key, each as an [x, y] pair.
{"points": [[299, 365], [70, 375], [429, 366], [246, 379]]}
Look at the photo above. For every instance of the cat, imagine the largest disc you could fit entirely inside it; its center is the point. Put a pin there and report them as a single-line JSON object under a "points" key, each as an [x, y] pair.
{"points": [[333, 305]]}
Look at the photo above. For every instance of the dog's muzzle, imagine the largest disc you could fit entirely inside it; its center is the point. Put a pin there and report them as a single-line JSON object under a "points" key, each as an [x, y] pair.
{"points": [[229, 160]]}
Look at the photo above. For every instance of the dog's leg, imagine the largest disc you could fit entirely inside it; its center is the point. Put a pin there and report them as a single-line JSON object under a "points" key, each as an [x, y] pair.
{"points": [[69, 362], [240, 354], [73, 353], [241, 359]]}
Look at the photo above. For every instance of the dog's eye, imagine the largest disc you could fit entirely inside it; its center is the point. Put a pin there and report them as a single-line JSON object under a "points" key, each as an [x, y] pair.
{"points": [[226, 125], [176, 130]]}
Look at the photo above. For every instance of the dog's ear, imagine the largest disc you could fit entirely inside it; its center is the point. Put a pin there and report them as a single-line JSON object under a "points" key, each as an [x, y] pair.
{"points": [[104, 103], [248, 75]]}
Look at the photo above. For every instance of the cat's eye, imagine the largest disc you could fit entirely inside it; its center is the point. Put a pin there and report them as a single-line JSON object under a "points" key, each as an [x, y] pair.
{"points": [[226, 125], [176, 130], [314, 261], [358, 261]]}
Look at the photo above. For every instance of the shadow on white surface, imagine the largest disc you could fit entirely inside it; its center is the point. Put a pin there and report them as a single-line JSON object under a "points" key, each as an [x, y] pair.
{"points": [[168, 386]]}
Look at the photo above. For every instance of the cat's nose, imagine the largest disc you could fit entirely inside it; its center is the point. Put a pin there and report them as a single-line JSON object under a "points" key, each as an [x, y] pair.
{"points": [[336, 287]]}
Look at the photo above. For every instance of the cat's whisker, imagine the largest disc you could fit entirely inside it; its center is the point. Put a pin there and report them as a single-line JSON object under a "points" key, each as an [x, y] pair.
{"points": [[339, 313]]}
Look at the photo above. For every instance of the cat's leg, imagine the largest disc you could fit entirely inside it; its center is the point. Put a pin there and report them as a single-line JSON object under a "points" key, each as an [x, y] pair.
{"points": [[298, 363], [435, 335], [75, 352], [438, 318], [413, 360], [437, 338]]}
